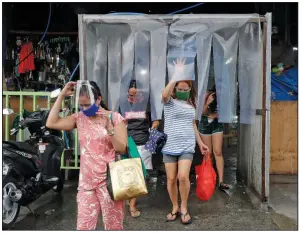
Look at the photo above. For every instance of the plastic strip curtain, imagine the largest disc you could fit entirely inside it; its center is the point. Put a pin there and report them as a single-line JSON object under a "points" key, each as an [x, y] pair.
{"points": [[225, 48], [181, 44], [114, 70], [142, 67], [157, 70], [127, 71], [183, 30], [249, 71], [138, 44], [204, 45], [99, 74]]}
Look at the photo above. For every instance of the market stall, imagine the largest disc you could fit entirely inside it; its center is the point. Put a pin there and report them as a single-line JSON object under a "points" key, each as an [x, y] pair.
{"points": [[34, 66]]}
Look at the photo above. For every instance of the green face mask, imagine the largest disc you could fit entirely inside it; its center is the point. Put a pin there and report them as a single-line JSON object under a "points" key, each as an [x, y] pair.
{"points": [[182, 95]]}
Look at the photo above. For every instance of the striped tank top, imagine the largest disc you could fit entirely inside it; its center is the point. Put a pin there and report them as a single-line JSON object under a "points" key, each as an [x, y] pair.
{"points": [[179, 116]]}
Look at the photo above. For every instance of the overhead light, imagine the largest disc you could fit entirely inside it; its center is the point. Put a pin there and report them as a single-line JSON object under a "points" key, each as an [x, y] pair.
{"points": [[295, 48]]}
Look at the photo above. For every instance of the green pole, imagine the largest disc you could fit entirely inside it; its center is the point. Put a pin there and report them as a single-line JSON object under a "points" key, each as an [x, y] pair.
{"points": [[21, 136], [34, 102], [6, 118]]}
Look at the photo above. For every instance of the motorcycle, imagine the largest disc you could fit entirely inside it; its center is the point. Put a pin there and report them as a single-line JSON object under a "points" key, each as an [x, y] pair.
{"points": [[30, 168]]}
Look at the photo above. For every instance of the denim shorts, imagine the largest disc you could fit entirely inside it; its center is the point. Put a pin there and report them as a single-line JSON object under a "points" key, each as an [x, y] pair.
{"points": [[175, 159]]}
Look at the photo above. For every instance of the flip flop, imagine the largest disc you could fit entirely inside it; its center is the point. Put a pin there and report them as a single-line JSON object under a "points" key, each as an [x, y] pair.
{"points": [[186, 222], [223, 186], [135, 213], [173, 219]]}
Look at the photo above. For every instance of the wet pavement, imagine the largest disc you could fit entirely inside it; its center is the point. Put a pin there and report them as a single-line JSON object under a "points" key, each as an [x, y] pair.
{"points": [[224, 211]]}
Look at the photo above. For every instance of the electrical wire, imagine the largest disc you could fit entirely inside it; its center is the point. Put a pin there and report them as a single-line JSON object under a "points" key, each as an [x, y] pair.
{"points": [[187, 8], [49, 16], [73, 72]]}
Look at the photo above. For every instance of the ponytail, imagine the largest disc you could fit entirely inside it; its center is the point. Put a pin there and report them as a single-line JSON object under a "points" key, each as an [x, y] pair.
{"points": [[104, 106]]}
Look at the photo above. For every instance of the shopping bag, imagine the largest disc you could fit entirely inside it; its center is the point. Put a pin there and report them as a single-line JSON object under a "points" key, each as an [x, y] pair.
{"points": [[132, 152], [205, 179], [125, 179]]}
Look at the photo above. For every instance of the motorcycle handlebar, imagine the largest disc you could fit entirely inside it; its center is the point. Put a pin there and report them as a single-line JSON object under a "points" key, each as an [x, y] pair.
{"points": [[14, 130]]}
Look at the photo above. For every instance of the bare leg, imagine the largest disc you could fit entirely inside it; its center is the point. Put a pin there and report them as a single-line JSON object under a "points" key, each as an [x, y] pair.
{"points": [[133, 210], [217, 140], [171, 171], [184, 167]]}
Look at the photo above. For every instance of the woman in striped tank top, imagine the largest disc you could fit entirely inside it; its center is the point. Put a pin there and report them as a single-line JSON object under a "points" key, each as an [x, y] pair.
{"points": [[180, 126]]}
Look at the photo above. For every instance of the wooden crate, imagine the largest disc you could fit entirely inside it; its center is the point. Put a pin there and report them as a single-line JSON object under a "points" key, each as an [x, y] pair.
{"points": [[284, 138]]}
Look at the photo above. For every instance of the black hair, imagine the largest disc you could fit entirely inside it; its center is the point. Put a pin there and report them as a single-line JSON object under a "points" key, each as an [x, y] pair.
{"points": [[132, 84], [213, 89], [96, 91]]}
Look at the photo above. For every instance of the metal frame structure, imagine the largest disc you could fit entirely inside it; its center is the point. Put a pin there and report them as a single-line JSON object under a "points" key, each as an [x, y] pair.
{"points": [[265, 112]]}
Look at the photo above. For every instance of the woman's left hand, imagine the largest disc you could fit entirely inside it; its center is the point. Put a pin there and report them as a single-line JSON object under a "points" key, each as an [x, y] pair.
{"points": [[108, 116]]}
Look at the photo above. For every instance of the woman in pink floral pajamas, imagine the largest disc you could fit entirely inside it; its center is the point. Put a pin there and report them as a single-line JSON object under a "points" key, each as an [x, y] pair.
{"points": [[100, 140]]}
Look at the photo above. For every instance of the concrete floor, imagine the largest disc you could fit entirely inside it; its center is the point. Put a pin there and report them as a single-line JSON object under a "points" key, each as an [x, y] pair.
{"points": [[232, 211], [224, 211], [283, 198]]}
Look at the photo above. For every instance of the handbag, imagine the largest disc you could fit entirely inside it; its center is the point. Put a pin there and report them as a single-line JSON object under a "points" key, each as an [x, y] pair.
{"points": [[133, 152], [125, 179]]}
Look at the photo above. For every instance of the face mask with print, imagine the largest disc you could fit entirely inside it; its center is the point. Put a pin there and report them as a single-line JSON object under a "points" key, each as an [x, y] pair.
{"points": [[182, 95]]}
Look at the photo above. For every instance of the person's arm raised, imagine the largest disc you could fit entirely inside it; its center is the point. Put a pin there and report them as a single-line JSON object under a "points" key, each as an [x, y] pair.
{"points": [[179, 69], [53, 120]]}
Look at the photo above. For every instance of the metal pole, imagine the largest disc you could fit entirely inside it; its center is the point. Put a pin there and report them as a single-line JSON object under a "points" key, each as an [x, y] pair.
{"points": [[263, 196]]}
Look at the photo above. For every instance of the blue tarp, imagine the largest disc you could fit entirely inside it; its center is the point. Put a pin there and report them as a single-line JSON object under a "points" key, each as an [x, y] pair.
{"points": [[285, 86]]}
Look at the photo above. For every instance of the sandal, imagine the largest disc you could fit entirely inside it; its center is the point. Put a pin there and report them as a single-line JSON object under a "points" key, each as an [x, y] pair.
{"points": [[172, 215], [185, 222], [135, 213], [223, 186]]}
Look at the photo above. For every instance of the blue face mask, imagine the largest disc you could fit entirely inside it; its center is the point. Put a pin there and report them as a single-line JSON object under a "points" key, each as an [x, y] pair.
{"points": [[91, 111]]}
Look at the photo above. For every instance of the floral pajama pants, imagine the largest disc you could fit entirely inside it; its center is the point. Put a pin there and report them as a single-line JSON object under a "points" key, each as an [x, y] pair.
{"points": [[90, 203]]}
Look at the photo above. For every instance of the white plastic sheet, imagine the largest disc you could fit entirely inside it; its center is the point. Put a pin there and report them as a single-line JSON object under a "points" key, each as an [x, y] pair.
{"points": [[225, 48], [203, 67], [249, 71], [144, 47]]}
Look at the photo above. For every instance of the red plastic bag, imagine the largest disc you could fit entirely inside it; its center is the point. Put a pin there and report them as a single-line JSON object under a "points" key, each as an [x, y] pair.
{"points": [[205, 179]]}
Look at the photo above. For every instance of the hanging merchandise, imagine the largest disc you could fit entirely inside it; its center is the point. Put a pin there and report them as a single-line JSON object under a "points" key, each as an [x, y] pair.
{"points": [[28, 63]]}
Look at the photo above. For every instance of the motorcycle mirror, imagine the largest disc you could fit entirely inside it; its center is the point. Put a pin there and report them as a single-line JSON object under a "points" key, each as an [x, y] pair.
{"points": [[55, 93], [7, 111]]}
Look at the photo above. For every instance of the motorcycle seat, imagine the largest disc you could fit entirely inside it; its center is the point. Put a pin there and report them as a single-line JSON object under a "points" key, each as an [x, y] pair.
{"points": [[22, 146]]}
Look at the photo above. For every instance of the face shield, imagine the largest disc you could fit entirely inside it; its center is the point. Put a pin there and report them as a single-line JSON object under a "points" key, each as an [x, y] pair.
{"points": [[86, 97]]}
